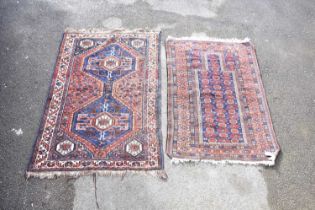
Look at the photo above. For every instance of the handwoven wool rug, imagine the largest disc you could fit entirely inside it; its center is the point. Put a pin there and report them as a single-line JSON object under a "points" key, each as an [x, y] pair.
{"points": [[102, 113], [217, 109]]}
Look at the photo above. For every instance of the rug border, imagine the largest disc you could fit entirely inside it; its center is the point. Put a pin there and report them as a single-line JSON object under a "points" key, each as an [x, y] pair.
{"points": [[159, 172], [45, 110], [272, 155]]}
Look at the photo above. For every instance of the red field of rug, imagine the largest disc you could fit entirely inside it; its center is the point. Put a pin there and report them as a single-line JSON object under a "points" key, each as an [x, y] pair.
{"points": [[217, 109]]}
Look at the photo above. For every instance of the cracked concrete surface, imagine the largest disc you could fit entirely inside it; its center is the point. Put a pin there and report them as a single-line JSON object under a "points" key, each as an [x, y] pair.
{"points": [[284, 35], [188, 187]]}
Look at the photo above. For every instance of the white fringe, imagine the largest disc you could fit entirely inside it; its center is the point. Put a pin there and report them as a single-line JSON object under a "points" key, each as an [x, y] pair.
{"points": [[223, 162], [104, 30], [210, 39], [270, 162], [161, 174]]}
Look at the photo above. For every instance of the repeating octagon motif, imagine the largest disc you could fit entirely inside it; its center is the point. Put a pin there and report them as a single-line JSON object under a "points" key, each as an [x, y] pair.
{"points": [[134, 148], [65, 147]]}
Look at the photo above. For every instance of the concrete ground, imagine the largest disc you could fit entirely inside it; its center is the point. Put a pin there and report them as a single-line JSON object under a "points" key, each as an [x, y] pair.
{"points": [[284, 34]]}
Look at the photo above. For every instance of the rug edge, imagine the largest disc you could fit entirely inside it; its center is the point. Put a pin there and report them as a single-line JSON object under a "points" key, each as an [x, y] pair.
{"points": [[159, 173], [159, 101], [272, 157], [271, 162], [46, 104], [106, 30], [211, 39]]}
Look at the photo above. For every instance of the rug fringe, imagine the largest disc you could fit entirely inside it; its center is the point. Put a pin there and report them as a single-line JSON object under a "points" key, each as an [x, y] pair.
{"points": [[270, 162], [104, 30], [212, 39], [161, 174]]}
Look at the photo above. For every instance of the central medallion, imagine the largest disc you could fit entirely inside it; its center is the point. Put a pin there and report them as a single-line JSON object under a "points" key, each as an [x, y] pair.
{"points": [[103, 121], [106, 121], [111, 63]]}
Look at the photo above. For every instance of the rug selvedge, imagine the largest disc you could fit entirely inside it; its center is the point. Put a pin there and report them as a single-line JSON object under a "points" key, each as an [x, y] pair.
{"points": [[217, 109], [102, 112]]}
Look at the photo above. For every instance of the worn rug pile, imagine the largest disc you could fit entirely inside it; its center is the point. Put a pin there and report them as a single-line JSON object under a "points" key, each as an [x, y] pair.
{"points": [[217, 109], [102, 113]]}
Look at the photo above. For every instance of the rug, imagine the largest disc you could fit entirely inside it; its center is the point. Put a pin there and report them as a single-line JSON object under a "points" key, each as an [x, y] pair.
{"points": [[102, 112], [217, 109]]}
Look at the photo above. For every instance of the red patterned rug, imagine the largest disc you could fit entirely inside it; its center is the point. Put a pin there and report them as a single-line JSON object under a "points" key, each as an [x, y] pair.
{"points": [[102, 113], [217, 109]]}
